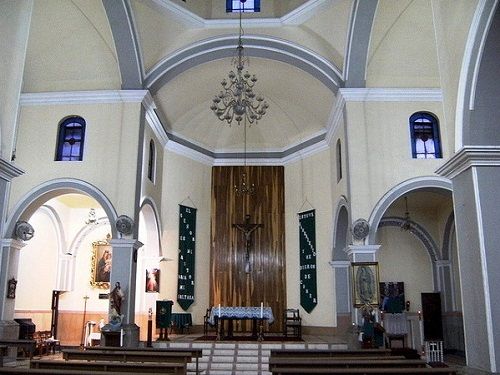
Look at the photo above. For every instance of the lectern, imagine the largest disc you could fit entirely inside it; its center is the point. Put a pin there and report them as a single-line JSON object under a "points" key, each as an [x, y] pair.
{"points": [[163, 318]]}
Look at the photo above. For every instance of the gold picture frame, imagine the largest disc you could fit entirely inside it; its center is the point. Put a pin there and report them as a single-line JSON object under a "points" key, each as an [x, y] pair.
{"points": [[102, 256], [365, 279]]}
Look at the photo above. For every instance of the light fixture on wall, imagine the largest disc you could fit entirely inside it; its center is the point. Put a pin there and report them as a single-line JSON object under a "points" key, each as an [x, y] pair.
{"points": [[406, 225], [237, 101], [244, 186]]}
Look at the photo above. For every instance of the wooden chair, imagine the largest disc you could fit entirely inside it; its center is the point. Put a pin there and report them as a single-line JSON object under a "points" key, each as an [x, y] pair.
{"points": [[41, 347], [292, 323], [206, 324]]}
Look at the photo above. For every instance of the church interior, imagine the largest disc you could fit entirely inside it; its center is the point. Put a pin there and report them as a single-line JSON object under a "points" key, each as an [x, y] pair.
{"points": [[338, 159]]}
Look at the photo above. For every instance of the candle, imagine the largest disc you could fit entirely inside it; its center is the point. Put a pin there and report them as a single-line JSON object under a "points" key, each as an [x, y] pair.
{"points": [[219, 310], [419, 315], [261, 310]]}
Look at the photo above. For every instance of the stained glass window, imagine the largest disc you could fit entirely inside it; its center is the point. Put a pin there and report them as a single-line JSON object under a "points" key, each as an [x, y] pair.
{"points": [[70, 140], [248, 6], [424, 130]]}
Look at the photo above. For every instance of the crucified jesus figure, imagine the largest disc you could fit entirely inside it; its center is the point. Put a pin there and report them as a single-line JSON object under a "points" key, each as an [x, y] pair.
{"points": [[247, 228]]}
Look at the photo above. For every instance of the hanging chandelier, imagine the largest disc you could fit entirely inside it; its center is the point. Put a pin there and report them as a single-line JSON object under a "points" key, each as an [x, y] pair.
{"points": [[406, 225], [237, 101]]}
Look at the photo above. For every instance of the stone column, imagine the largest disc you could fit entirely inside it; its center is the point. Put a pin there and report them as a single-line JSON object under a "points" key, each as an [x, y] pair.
{"points": [[475, 174], [9, 329], [124, 271]]}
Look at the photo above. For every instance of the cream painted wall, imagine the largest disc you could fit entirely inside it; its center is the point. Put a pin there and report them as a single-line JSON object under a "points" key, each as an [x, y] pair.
{"points": [[405, 29], [380, 150], [15, 17], [308, 186], [185, 182], [452, 19], [110, 158], [84, 59], [403, 258]]}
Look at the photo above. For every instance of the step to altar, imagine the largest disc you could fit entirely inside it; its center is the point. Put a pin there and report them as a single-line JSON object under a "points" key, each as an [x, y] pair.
{"points": [[226, 358]]}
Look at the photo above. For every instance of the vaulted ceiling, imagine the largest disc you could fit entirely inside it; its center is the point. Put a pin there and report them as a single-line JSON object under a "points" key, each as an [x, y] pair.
{"points": [[301, 51]]}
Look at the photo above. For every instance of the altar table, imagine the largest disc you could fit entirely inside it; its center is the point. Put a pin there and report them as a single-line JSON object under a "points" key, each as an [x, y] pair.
{"points": [[256, 314]]}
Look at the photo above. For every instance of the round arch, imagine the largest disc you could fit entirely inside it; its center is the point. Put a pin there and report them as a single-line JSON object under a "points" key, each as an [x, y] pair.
{"points": [[255, 46], [149, 211], [426, 182], [50, 189], [341, 232]]}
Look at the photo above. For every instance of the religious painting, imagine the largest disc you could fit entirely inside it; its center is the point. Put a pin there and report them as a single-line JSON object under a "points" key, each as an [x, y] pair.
{"points": [[11, 288], [365, 284], [153, 280], [102, 255], [392, 296]]}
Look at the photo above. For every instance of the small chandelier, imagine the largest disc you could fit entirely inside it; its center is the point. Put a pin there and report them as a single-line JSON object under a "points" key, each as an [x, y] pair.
{"points": [[237, 100], [244, 187], [406, 225]]}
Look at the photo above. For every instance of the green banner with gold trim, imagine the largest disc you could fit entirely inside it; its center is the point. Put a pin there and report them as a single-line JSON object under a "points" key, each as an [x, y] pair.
{"points": [[187, 241], [307, 243]]}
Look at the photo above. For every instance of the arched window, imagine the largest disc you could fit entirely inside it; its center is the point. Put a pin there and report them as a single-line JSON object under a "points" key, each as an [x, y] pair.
{"points": [[424, 131], [151, 161], [70, 139], [339, 160]]}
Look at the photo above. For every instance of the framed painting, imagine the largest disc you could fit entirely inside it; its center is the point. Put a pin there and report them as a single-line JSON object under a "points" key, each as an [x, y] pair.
{"points": [[392, 296], [102, 256], [365, 284], [153, 280]]}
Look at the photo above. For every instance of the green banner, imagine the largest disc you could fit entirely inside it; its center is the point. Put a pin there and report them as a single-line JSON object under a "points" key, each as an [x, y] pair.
{"points": [[307, 243], [187, 241]]}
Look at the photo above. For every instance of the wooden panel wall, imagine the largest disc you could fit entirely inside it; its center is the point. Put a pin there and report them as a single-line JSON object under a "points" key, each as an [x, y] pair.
{"points": [[230, 285]]}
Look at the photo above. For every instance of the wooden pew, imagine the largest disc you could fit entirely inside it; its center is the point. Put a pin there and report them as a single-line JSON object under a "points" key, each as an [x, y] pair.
{"points": [[195, 353], [27, 346], [127, 356], [24, 370], [276, 363], [364, 371], [113, 366], [330, 353]]}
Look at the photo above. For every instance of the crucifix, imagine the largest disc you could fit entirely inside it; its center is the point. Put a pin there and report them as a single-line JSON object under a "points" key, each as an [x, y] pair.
{"points": [[247, 228]]}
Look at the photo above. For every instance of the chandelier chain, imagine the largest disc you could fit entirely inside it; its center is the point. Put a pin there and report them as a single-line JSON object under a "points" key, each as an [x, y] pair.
{"points": [[237, 101]]}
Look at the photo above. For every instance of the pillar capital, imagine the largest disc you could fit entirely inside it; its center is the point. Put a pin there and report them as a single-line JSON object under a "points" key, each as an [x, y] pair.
{"points": [[339, 263], [363, 253], [13, 243], [468, 157]]}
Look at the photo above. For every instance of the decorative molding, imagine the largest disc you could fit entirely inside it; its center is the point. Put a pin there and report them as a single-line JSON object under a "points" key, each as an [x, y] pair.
{"points": [[8, 171], [468, 157], [83, 97], [179, 149], [391, 94]]}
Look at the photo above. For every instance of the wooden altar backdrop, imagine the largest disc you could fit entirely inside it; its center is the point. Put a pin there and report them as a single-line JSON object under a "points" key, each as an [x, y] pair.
{"points": [[266, 282]]}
